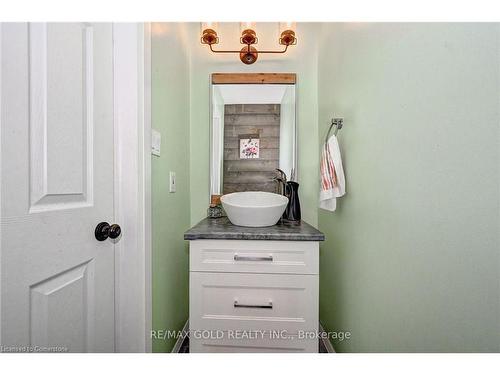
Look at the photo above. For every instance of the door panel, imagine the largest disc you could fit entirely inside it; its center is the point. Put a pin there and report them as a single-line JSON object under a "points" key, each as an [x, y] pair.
{"points": [[62, 309], [57, 280], [61, 93]]}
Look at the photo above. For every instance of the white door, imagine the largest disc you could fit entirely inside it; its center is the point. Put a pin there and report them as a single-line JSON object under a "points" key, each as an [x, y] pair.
{"points": [[57, 280]]}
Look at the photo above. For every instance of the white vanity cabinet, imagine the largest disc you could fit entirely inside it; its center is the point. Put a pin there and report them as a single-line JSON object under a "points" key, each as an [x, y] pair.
{"points": [[253, 295]]}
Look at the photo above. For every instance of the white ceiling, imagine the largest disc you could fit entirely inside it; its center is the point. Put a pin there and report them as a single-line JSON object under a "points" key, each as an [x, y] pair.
{"points": [[252, 94]]}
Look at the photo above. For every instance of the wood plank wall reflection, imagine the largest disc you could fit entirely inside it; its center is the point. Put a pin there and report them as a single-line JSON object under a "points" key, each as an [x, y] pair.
{"points": [[251, 174]]}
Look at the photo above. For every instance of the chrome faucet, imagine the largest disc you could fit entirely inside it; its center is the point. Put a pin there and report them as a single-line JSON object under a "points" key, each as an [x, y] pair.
{"points": [[281, 180]]}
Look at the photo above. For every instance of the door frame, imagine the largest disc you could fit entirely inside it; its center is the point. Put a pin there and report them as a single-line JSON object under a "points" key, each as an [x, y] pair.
{"points": [[1, 118], [132, 143]]}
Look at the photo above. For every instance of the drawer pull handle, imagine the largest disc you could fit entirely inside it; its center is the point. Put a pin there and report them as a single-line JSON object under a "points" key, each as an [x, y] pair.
{"points": [[253, 259], [243, 305]]}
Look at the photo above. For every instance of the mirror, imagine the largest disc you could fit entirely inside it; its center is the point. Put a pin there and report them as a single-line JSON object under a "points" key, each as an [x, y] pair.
{"points": [[253, 132]]}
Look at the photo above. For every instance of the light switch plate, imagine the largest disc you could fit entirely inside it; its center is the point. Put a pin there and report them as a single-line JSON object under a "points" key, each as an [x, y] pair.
{"points": [[155, 142], [172, 182]]}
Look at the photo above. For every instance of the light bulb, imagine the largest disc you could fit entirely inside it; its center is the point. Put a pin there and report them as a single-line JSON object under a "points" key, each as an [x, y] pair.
{"points": [[284, 26], [247, 26], [209, 26]]}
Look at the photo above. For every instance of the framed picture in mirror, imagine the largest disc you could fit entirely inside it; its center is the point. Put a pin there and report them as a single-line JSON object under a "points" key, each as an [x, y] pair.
{"points": [[249, 146]]}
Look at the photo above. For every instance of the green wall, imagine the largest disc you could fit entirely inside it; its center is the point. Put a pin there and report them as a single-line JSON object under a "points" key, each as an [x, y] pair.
{"points": [[300, 59], [411, 262], [170, 108]]}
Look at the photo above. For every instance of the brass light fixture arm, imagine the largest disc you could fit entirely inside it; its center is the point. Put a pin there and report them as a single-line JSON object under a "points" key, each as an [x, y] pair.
{"points": [[229, 51]]}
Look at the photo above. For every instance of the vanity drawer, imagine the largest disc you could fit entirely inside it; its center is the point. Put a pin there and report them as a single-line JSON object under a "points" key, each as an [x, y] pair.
{"points": [[267, 303], [289, 257], [200, 345]]}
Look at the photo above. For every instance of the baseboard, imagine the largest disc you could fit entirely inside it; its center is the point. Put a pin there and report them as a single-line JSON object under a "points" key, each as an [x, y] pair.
{"points": [[328, 345], [181, 338]]}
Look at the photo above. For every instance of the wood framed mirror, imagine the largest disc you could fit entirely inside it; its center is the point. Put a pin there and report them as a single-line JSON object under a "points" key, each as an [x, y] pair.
{"points": [[252, 131]]}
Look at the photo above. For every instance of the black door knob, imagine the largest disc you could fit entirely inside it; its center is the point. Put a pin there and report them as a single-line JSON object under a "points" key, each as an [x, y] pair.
{"points": [[103, 230]]}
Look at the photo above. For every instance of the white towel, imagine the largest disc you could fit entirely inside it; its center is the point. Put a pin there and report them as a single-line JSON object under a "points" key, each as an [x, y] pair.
{"points": [[332, 175]]}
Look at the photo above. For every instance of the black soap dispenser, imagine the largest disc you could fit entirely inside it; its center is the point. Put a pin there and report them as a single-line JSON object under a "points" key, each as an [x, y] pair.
{"points": [[292, 212]]}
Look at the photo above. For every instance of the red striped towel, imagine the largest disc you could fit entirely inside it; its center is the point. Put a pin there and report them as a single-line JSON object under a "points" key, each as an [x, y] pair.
{"points": [[327, 169], [332, 175]]}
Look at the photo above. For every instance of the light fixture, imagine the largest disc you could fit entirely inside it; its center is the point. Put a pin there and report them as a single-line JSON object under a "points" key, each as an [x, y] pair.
{"points": [[248, 54]]}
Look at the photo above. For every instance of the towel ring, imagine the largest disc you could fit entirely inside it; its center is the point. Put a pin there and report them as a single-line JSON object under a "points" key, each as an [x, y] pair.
{"points": [[338, 123]]}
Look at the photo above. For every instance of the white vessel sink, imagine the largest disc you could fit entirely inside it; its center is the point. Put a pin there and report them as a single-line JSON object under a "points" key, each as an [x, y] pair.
{"points": [[254, 208]]}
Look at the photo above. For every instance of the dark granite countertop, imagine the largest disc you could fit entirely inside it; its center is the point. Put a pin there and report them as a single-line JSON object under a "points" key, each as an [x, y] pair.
{"points": [[223, 229]]}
